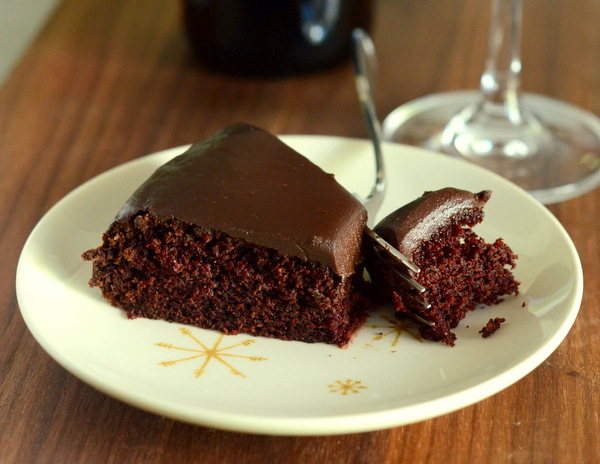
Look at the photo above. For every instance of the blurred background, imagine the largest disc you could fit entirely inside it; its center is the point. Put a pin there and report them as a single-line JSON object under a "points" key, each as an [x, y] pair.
{"points": [[20, 21]]}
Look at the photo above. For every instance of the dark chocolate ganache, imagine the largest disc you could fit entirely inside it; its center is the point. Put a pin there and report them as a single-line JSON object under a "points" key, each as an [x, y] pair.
{"points": [[416, 222], [245, 182]]}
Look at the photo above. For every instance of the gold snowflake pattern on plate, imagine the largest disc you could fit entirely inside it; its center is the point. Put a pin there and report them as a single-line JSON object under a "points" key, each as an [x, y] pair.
{"points": [[216, 353], [344, 387], [395, 328]]}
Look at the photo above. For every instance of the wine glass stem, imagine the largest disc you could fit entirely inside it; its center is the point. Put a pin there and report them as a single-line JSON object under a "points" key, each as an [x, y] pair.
{"points": [[500, 80]]}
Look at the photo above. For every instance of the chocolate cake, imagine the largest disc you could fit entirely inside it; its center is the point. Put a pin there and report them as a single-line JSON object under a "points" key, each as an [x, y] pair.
{"points": [[458, 269], [492, 327], [239, 234]]}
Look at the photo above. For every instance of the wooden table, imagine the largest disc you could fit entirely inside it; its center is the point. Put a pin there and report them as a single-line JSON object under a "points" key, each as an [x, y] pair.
{"points": [[110, 81]]}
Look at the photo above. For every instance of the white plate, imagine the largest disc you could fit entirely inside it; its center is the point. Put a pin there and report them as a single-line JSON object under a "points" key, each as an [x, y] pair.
{"points": [[386, 377]]}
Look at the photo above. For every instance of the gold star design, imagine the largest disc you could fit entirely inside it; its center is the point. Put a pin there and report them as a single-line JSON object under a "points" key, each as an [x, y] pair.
{"points": [[590, 160], [395, 328], [346, 386], [216, 352]]}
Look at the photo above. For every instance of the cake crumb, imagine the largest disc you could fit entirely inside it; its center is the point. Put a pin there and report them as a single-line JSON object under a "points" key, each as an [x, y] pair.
{"points": [[491, 327]]}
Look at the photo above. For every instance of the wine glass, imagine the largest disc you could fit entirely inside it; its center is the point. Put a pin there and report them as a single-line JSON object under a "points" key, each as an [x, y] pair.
{"points": [[548, 147]]}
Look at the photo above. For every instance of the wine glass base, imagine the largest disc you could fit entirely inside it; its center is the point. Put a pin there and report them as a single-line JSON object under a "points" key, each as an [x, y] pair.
{"points": [[567, 167]]}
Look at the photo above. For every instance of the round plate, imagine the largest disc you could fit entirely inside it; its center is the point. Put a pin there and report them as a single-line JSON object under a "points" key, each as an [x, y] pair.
{"points": [[386, 377]]}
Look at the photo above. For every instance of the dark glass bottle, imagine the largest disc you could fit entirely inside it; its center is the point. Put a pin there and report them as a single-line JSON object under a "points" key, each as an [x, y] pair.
{"points": [[273, 37]]}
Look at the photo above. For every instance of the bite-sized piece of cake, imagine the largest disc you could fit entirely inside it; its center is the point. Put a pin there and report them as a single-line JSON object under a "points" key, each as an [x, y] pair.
{"points": [[458, 269], [492, 327], [239, 234]]}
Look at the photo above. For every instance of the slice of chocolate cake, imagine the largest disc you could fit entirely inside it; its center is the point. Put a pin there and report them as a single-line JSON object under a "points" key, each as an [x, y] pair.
{"points": [[239, 234], [458, 269]]}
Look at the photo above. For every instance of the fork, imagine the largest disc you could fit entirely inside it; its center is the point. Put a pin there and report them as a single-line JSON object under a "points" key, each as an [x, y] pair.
{"points": [[364, 66]]}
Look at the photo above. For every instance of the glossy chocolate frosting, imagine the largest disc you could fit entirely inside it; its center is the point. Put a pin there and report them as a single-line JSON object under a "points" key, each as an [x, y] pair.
{"points": [[408, 227], [248, 184]]}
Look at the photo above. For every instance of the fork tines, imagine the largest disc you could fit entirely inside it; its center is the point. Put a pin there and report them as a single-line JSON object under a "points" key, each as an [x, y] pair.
{"points": [[400, 265]]}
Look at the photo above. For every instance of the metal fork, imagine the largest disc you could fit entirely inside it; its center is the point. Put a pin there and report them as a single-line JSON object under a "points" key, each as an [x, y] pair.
{"points": [[364, 66]]}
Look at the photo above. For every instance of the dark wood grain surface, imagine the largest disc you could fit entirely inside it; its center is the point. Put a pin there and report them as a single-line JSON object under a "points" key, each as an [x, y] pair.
{"points": [[110, 81]]}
